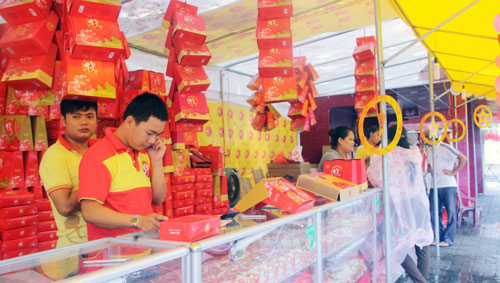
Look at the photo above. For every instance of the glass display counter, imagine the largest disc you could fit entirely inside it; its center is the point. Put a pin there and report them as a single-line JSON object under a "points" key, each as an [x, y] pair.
{"points": [[110, 260]]}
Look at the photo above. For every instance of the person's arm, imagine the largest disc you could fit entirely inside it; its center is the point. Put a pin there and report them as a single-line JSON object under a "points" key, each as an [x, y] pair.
{"points": [[462, 159], [158, 186], [99, 215], [65, 200]]}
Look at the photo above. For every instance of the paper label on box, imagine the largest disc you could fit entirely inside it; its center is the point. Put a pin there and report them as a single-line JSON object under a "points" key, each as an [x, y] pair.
{"points": [[81, 8], [111, 55], [32, 12]]}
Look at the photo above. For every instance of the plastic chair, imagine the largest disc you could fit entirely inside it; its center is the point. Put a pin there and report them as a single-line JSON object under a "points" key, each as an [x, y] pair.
{"points": [[466, 204]]}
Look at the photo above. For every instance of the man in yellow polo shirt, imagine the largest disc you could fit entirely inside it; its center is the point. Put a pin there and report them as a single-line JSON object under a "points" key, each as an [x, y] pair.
{"points": [[373, 136], [59, 173]]}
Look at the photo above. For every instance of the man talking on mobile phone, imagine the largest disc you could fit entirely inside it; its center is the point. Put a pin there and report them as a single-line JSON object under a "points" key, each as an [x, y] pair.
{"points": [[121, 176]]}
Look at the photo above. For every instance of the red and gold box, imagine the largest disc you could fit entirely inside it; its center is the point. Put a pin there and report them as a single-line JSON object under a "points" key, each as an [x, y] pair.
{"points": [[364, 52], [313, 75], [190, 228], [184, 179], [107, 10], [29, 39], [259, 121], [367, 40], [45, 246], [183, 211], [202, 208], [31, 177], [300, 124], [3, 97], [182, 167], [204, 193], [192, 79], [189, 27], [367, 68], [204, 178], [278, 89], [18, 211], [157, 83], [137, 81], [255, 83], [302, 80], [176, 5], [221, 203], [276, 62], [216, 155], [204, 186], [43, 204], [202, 171], [108, 109], [23, 243], [202, 200], [34, 72], [366, 85], [47, 236], [9, 235], [18, 253], [11, 169], [39, 133], [188, 53], [190, 108], [271, 9], [298, 109], [45, 216], [312, 102], [257, 101], [312, 117], [182, 187], [274, 33], [183, 195], [177, 203], [345, 169], [15, 198], [19, 12], [47, 226], [93, 39], [312, 88], [89, 80], [16, 133], [13, 223], [168, 162], [299, 63]]}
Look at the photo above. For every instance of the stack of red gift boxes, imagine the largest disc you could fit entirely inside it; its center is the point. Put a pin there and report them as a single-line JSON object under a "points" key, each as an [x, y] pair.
{"points": [[365, 73], [47, 228]]}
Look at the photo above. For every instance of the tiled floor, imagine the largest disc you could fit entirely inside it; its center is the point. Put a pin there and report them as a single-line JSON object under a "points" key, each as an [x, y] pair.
{"points": [[475, 257]]}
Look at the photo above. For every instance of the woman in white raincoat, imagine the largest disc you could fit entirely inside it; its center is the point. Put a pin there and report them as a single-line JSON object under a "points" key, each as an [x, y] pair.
{"points": [[410, 217]]}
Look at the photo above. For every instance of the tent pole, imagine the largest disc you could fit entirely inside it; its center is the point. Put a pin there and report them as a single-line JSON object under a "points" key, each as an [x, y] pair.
{"points": [[462, 82], [434, 179], [428, 33], [383, 110]]}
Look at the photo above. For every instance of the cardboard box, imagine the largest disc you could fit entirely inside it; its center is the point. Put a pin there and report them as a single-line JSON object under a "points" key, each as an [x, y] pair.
{"points": [[342, 168], [294, 170], [276, 62], [204, 193], [14, 234], [157, 83], [188, 53], [189, 27], [93, 39], [47, 226], [190, 108], [271, 9], [31, 177], [274, 33], [9, 198], [89, 79], [23, 243], [16, 133], [39, 134], [183, 195], [19, 12], [45, 246], [13, 223], [107, 10], [277, 192], [366, 85], [18, 253], [192, 79], [47, 236], [364, 52], [174, 6], [328, 186], [367, 68], [202, 208], [29, 39], [43, 204], [45, 216], [35, 72], [183, 211], [18, 211], [190, 228], [278, 89], [177, 203], [182, 187], [298, 109], [11, 169]]}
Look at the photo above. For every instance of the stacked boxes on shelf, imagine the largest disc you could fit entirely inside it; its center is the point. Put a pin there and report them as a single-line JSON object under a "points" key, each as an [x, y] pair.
{"points": [[365, 73], [47, 229], [219, 196]]}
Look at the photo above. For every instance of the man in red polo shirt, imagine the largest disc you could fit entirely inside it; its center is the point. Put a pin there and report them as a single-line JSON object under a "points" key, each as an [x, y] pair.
{"points": [[121, 176]]}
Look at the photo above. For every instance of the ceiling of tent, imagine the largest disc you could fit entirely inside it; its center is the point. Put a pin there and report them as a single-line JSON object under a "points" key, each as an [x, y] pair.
{"points": [[466, 45]]}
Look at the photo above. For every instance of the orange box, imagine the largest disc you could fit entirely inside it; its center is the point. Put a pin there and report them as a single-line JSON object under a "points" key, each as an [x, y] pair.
{"points": [[312, 117], [312, 88], [190, 228], [189, 27], [34, 72], [364, 52], [274, 33], [254, 83], [177, 203], [8, 235], [183, 211], [16, 133], [367, 68], [19, 12], [361, 99], [18, 211], [300, 124], [278, 89], [313, 75], [190, 108], [276, 62], [312, 102], [93, 39], [190, 78], [301, 80], [176, 5], [259, 121], [366, 85], [299, 63], [13, 223], [47, 236], [271, 9], [89, 79], [257, 101], [29, 39], [298, 109], [157, 83], [15, 198], [23, 243], [188, 53], [107, 10]]}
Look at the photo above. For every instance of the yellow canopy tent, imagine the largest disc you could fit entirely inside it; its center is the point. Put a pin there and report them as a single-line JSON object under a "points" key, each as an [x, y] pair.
{"points": [[465, 47]]}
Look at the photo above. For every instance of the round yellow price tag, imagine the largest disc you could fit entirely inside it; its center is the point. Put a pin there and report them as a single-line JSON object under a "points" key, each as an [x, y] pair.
{"points": [[463, 130], [434, 129], [399, 118], [484, 118]]}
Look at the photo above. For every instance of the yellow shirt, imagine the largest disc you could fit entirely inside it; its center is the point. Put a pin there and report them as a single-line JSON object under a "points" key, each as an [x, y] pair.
{"points": [[363, 153], [59, 170]]}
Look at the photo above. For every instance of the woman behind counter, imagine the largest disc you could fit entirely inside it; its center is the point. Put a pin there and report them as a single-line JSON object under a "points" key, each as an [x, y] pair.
{"points": [[342, 141]]}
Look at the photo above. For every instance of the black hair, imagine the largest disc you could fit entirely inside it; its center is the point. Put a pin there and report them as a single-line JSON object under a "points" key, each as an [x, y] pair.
{"points": [[403, 141], [71, 106], [144, 106], [339, 132], [370, 130]]}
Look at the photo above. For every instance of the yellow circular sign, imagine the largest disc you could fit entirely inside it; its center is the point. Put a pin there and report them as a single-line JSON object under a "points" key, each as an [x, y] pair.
{"points": [[485, 117], [463, 130], [434, 131], [399, 119]]}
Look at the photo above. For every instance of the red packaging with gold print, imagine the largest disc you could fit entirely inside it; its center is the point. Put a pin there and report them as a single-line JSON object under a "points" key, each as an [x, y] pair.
{"points": [[188, 53], [270, 9], [189, 27], [191, 79], [190, 228], [276, 62], [107, 10], [191, 108], [274, 33], [278, 89], [19, 12]]}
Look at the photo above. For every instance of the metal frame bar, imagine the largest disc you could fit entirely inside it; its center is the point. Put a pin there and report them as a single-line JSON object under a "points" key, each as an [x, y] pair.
{"points": [[462, 82], [475, 98], [434, 170], [421, 38]]}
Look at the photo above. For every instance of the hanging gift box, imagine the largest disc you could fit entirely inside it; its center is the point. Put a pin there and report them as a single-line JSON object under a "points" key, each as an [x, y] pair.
{"points": [[31, 72], [107, 10], [189, 27], [312, 88], [29, 39], [276, 62], [188, 53], [367, 40], [364, 52], [298, 109], [255, 83], [92, 39], [278, 89], [19, 12], [259, 121], [312, 102], [301, 80], [190, 108], [303, 94], [174, 6], [367, 68], [299, 63], [190, 78], [271, 9], [366, 85], [273, 33], [299, 124]]}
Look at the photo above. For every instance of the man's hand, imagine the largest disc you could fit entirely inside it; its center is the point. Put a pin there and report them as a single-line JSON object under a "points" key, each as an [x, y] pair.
{"points": [[151, 222], [448, 172], [157, 150]]}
